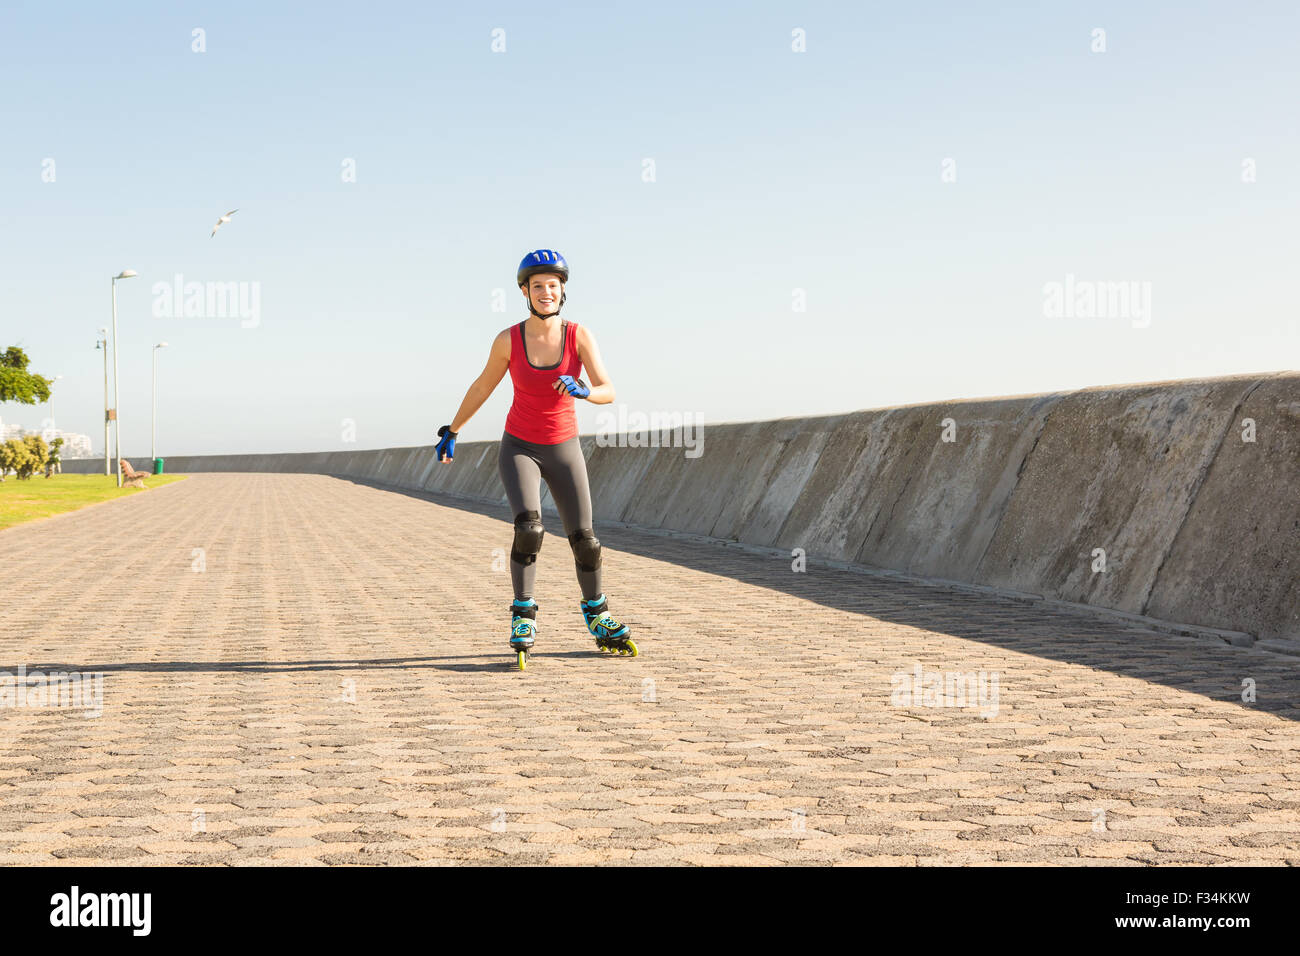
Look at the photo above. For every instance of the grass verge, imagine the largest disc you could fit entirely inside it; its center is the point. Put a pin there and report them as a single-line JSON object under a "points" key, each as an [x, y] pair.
{"points": [[40, 497]]}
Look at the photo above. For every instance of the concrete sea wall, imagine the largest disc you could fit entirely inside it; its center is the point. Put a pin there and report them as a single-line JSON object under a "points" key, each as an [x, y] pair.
{"points": [[1188, 491]]}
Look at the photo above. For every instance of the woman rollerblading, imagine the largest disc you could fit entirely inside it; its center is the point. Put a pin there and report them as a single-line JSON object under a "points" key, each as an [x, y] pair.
{"points": [[545, 356]]}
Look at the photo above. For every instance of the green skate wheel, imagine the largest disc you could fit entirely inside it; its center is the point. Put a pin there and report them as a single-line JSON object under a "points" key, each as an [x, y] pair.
{"points": [[631, 648], [523, 660]]}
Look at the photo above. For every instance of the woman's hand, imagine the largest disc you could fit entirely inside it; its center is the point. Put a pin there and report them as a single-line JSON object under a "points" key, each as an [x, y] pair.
{"points": [[446, 449], [574, 386]]}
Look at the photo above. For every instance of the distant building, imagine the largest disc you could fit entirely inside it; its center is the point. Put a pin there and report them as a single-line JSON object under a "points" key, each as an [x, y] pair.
{"points": [[75, 445]]}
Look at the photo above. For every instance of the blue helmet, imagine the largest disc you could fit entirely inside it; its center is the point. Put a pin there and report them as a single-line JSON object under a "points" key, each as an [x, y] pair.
{"points": [[543, 260]]}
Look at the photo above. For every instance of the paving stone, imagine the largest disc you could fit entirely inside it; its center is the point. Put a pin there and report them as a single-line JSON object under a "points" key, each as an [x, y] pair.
{"points": [[335, 690]]}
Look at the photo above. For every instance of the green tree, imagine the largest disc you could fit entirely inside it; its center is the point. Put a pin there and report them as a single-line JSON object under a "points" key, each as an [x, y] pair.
{"points": [[38, 453], [8, 458], [19, 456], [55, 457], [19, 385]]}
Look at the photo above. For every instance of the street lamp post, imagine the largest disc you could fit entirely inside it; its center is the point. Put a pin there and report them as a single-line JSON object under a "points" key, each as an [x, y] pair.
{"points": [[54, 424], [117, 392], [102, 344], [53, 431], [153, 434]]}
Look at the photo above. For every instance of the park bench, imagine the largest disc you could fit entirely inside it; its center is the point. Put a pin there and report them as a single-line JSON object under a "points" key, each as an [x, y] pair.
{"points": [[131, 477]]}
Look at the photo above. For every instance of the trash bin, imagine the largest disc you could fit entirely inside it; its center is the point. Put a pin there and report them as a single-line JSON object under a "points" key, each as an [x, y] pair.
{"points": [[157, 466]]}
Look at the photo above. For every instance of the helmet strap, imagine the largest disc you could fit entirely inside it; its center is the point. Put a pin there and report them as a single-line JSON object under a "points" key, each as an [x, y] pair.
{"points": [[563, 297]]}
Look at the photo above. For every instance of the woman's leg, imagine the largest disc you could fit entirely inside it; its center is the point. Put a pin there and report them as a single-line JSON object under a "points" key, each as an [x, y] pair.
{"points": [[522, 477], [565, 471]]}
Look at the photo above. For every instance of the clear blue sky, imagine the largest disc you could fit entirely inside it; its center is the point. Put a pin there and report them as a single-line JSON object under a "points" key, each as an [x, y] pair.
{"points": [[775, 171]]}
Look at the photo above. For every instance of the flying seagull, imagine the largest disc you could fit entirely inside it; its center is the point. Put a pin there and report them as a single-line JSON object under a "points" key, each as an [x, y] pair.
{"points": [[222, 221]]}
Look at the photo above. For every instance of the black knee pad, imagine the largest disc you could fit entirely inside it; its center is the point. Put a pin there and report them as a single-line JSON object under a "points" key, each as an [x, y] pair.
{"points": [[586, 549], [528, 537]]}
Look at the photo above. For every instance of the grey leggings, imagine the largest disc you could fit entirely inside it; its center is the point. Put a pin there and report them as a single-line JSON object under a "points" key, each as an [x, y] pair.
{"points": [[523, 464]]}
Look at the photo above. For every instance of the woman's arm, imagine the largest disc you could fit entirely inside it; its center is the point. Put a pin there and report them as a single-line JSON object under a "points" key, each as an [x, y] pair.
{"points": [[602, 389], [497, 364]]}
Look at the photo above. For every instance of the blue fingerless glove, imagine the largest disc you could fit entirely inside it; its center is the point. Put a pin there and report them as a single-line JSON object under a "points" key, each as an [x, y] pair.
{"points": [[446, 449], [575, 386]]}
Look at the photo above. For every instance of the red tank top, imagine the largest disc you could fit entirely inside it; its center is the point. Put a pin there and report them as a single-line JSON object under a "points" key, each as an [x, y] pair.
{"points": [[540, 414]]}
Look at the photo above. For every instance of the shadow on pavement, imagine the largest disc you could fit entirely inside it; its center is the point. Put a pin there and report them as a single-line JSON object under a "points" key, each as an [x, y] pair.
{"points": [[1196, 665], [487, 661]]}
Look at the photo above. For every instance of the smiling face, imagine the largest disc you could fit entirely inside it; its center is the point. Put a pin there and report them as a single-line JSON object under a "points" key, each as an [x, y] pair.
{"points": [[544, 290]]}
